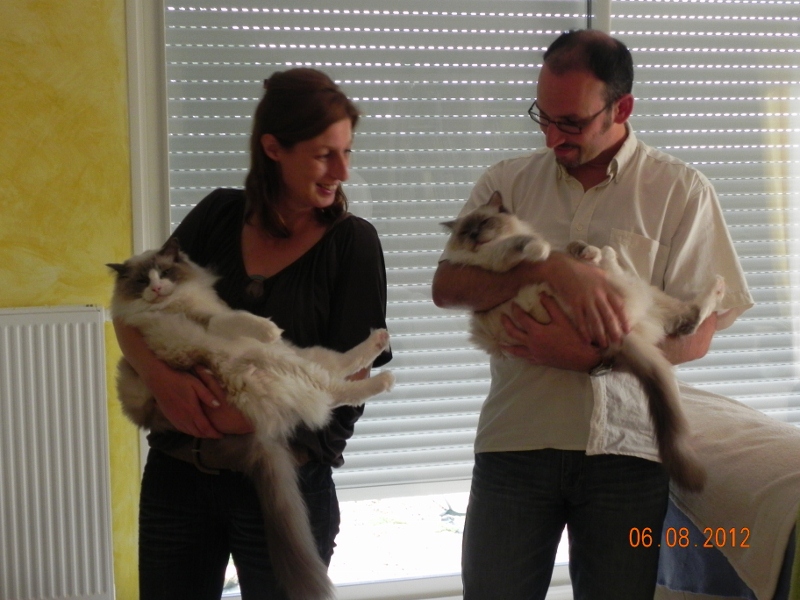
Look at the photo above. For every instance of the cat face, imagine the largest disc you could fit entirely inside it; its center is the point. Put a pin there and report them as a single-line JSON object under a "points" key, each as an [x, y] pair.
{"points": [[479, 227], [482, 225], [152, 276]]}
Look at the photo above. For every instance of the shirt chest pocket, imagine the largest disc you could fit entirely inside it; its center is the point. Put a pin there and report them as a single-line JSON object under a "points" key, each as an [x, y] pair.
{"points": [[641, 255]]}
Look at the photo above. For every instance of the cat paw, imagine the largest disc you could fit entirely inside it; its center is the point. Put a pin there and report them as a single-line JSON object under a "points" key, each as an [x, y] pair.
{"points": [[380, 339], [536, 250], [516, 244], [386, 380], [584, 251], [719, 288], [575, 249], [607, 256], [523, 247], [269, 332], [685, 323], [711, 299]]}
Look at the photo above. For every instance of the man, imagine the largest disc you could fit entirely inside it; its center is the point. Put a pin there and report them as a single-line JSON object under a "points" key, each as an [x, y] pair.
{"points": [[555, 446]]}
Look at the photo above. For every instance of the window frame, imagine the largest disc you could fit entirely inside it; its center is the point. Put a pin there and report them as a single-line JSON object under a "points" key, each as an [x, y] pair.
{"points": [[147, 108]]}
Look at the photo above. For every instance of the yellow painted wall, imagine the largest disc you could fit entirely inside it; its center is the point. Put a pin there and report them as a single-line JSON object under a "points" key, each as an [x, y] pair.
{"points": [[65, 206]]}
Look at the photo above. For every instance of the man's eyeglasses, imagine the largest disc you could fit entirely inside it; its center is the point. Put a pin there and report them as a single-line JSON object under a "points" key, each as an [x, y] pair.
{"points": [[571, 127]]}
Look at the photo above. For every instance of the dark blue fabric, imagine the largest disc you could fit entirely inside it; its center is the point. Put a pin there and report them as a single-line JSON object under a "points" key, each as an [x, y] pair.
{"points": [[701, 570], [785, 578], [520, 503], [695, 568], [191, 522]]}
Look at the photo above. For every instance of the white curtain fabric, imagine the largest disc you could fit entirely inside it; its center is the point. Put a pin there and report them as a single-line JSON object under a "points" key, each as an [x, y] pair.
{"points": [[444, 89]]}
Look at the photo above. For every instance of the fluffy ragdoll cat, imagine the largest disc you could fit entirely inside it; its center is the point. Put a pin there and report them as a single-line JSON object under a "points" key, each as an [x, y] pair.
{"points": [[492, 238], [277, 386]]}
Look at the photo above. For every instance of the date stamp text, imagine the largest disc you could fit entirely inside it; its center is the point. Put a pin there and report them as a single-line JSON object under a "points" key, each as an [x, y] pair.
{"points": [[718, 537]]}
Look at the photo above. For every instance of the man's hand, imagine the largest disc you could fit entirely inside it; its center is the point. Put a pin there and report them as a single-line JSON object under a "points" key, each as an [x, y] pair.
{"points": [[556, 344], [597, 308]]}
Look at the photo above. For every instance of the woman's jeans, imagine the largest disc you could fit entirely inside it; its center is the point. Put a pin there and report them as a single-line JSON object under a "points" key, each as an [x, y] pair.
{"points": [[191, 522], [518, 507]]}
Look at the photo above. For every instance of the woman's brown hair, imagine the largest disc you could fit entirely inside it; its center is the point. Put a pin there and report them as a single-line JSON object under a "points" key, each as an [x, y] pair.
{"points": [[298, 105]]}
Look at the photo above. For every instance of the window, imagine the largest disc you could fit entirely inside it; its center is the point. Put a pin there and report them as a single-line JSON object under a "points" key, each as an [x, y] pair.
{"points": [[443, 92], [720, 88], [444, 88]]}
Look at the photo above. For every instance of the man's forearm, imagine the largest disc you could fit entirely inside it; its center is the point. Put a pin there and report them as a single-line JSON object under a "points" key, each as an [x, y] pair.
{"points": [[685, 348], [477, 289]]}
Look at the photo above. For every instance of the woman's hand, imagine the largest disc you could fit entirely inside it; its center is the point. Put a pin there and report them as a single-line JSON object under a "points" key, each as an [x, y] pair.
{"points": [[555, 344], [194, 402], [225, 417], [179, 394], [182, 398]]}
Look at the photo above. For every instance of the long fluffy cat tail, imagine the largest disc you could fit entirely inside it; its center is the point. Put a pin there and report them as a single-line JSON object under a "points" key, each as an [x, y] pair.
{"points": [[654, 371], [292, 549]]}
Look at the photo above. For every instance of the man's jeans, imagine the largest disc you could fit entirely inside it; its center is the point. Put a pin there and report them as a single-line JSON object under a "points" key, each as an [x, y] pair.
{"points": [[520, 503], [191, 522]]}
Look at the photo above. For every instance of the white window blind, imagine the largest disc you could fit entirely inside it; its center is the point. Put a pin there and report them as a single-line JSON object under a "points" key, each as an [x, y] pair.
{"points": [[444, 88], [718, 85]]}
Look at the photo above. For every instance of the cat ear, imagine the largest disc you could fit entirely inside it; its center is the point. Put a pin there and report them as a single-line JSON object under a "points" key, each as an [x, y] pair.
{"points": [[171, 247], [496, 201], [451, 225], [118, 267]]}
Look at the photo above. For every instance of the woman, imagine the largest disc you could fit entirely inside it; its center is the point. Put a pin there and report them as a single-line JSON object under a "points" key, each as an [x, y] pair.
{"points": [[285, 248]]}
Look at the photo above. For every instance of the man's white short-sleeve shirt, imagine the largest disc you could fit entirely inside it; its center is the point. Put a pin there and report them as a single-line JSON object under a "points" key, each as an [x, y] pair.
{"points": [[664, 220]]}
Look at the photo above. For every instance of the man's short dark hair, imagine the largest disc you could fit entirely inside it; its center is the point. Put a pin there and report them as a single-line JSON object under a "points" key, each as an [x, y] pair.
{"points": [[605, 57]]}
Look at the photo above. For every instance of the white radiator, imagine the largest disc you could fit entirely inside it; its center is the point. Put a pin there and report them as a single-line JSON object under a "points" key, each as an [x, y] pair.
{"points": [[55, 508]]}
